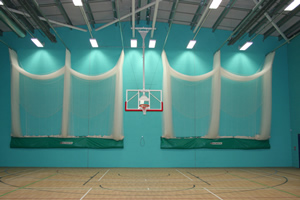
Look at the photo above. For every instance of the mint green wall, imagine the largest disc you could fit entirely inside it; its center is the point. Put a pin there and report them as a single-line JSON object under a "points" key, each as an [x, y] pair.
{"points": [[294, 82], [136, 125]]}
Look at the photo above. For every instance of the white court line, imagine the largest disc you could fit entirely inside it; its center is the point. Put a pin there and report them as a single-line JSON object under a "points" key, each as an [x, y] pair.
{"points": [[103, 175], [86, 193], [213, 194], [184, 175], [24, 174]]}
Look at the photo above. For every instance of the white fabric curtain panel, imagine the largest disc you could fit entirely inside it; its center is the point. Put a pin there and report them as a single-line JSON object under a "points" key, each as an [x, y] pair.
{"points": [[67, 71], [216, 74]]}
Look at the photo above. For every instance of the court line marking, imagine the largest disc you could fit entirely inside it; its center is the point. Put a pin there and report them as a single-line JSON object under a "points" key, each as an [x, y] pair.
{"points": [[13, 173], [23, 175], [86, 193], [103, 175], [184, 175], [197, 177], [91, 178], [264, 185], [213, 194], [27, 185], [261, 174]]}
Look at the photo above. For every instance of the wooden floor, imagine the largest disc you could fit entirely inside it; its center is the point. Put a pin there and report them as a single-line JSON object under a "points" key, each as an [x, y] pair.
{"points": [[150, 183]]}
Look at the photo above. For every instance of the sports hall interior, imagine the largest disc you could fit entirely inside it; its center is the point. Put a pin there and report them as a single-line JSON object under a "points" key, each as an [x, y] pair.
{"points": [[145, 161]]}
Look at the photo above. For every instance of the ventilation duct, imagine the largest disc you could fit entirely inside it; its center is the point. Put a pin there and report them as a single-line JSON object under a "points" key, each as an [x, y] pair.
{"points": [[34, 14], [282, 21], [264, 20], [252, 21], [12, 24], [21, 18]]}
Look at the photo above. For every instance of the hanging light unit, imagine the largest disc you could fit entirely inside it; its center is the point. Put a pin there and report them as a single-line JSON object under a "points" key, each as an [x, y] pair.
{"points": [[133, 43], [152, 43], [94, 43], [191, 44], [37, 42], [215, 4], [77, 2], [246, 46], [292, 5]]}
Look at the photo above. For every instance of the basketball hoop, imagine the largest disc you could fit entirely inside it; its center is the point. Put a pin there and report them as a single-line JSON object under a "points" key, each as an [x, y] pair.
{"points": [[144, 107]]}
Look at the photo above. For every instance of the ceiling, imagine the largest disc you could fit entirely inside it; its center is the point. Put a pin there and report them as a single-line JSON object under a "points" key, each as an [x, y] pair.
{"points": [[241, 16]]}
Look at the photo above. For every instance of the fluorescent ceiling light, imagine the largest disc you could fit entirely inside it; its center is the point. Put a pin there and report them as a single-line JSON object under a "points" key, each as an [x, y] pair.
{"points": [[191, 44], [292, 5], [1, 3], [37, 42], [94, 43], [152, 43], [246, 46], [77, 2], [215, 4], [133, 43]]}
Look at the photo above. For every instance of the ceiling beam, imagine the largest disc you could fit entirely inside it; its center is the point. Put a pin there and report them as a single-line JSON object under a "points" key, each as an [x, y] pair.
{"points": [[29, 7], [203, 17], [295, 28], [133, 18], [273, 23], [26, 22], [120, 25], [125, 16], [89, 12], [223, 14], [11, 21], [114, 7], [290, 39], [86, 20], [40, 11], [18, 26], [240, 25], [173, 10], [170, 21], [63, 12], [273, 12], [282, 21], [148, 12], [197, 13], [43, 19], [258, 13], [154, 17], [138, 15], [143, 12]]}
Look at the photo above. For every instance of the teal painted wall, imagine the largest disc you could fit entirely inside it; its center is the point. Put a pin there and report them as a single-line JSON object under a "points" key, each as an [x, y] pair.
{"points": [[136, 125], [294, 82]]}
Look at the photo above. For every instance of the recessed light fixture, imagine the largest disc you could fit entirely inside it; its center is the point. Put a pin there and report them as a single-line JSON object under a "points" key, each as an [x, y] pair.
{"points": [[1, 3], [292, 5], [77, 2], [191, 44], [152, 43], [246, 46], [215, 4], [133, 43], [37, 42], [94, 43]]}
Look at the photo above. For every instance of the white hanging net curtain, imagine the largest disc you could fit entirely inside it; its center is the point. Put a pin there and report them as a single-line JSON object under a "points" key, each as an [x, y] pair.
{"points": [[66, 104], [217, 109]]}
